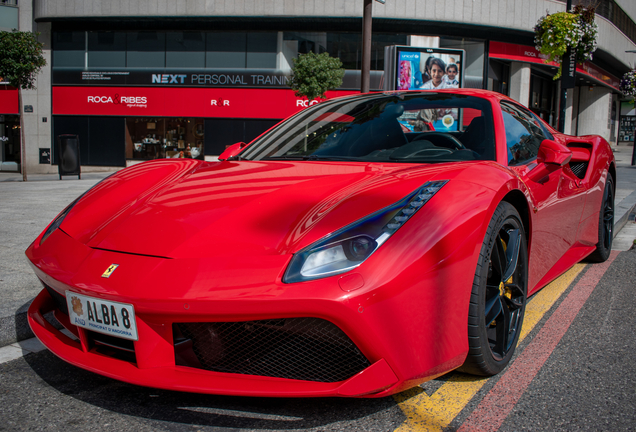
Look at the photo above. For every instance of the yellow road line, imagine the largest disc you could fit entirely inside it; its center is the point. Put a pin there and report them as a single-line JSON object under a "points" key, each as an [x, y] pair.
{"points": [[435, 412]]}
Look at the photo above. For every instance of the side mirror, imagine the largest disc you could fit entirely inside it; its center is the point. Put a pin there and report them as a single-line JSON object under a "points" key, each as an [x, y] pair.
{"points": [[232, 150], [551, 152]]}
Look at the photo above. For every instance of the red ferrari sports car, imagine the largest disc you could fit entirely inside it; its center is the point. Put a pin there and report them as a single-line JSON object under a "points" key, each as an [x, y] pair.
{"points": [[359, 248]]}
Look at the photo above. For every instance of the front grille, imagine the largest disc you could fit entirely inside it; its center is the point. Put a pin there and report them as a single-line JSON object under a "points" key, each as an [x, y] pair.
{"points": [[579, 169], [121, 349], [59, 299], [309, 349]]}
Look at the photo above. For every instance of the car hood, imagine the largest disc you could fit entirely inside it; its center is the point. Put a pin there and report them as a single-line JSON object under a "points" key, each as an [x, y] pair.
{"points": [[180, 209]]}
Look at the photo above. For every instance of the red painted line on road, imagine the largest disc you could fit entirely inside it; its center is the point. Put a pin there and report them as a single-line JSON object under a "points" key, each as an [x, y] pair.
{"points": [[497, 404]]}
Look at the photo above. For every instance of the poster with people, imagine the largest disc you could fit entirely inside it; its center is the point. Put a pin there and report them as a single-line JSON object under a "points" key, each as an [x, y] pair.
{"points": [[428, 68], [418, 68]]}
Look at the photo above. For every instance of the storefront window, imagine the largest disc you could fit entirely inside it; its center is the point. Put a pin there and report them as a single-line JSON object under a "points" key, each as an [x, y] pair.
{"points": [[107, 49], [146, 49], [261, 50], [474, 67], [185, 50], [153, 138], [69, 48], [9, 138], [543, 97], [226, 50], [345, 46], [499, 76]]}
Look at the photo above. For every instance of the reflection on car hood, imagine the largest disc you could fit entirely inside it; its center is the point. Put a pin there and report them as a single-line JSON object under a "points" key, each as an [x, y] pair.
{"points": [[196, 209]]}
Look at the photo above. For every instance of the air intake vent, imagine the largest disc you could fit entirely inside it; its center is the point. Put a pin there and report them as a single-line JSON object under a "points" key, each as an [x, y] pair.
{"points": [[579, 168], [310, 349]]}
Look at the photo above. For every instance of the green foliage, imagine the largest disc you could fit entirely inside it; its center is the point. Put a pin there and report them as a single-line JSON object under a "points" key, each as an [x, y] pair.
{"points": [[554, 33], [21, 58], [314, 74]]}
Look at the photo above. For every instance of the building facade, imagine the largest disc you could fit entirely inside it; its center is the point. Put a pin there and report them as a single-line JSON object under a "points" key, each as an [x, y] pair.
{"points": [[156, 78]]}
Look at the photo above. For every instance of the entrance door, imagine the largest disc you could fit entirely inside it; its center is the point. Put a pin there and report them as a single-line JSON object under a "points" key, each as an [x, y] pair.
{"points": [[543, 98], [10, 143]]}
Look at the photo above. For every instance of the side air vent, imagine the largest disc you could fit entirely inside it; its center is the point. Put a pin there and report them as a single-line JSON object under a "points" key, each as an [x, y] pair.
{"points": [[579, 169], [581, 155]]}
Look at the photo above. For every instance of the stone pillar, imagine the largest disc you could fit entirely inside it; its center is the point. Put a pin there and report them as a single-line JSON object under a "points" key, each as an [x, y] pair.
{"points": [[594, 115], [567, 127], [520, 82]]}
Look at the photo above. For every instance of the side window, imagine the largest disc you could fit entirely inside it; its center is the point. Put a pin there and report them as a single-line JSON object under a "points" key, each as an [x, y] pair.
{"points": [[523, 134]]}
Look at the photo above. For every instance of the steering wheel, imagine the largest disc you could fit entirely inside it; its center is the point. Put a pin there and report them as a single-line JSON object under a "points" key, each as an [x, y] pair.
{"points": [[447, 138]]}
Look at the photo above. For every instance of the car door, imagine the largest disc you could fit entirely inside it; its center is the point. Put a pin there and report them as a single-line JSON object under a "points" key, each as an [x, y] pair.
{"points": [[558, 197]]}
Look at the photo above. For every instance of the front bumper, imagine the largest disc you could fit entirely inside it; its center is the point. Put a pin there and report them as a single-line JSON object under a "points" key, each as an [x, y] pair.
{"points": [[155, 364]]}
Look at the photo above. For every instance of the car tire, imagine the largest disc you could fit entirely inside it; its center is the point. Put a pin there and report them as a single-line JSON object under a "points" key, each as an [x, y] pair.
{"points": [[498, 296], [605, 224]]}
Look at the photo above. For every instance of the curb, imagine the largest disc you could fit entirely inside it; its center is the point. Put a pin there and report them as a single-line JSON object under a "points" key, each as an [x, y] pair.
{"points": [[624, 209]]}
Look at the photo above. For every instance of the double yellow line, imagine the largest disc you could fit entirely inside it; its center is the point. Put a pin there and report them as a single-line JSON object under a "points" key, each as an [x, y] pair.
{"points": [[435, 412]]}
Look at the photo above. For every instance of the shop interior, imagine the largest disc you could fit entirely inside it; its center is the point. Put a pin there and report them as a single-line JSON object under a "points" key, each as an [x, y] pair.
{"points": [[164, 137]]}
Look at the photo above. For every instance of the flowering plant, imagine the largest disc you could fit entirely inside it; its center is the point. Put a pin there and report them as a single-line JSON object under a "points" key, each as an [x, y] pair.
{"points": [[628, 83], [554, 33]]}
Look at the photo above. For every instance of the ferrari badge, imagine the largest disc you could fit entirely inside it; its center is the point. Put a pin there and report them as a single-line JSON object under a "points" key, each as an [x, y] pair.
{"points": [[109, 271]]}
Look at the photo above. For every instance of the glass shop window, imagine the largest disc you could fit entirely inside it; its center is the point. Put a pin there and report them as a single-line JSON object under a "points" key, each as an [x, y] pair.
{"points": [[185, 50], [262, 49], [69, 48], [146, 49], [226, 50], [107, 49], [172, 137]]}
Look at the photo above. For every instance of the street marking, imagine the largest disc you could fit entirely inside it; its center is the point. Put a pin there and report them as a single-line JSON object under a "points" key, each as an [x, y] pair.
{"points": [[435, 412], [497, 404]]}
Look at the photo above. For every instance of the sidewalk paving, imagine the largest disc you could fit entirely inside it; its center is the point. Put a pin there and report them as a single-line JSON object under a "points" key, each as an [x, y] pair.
{"points": [[27, 208]]}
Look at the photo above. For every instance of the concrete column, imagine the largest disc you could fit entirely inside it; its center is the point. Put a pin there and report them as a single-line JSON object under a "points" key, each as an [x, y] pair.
{"points": [[520, 82], [594, 115], [567, 127]]}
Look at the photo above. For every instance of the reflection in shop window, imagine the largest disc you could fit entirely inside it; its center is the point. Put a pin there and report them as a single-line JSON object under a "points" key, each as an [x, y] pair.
{"points": [[172, 137]]}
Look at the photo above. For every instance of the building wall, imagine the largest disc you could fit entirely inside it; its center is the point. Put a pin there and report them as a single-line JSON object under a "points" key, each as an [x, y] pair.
{"points": [[593, 106], [493, 13], [514, 15], [629, 6]]}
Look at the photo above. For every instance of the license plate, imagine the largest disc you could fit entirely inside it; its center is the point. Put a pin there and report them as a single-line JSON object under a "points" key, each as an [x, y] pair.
{"points": [[108, 317]]}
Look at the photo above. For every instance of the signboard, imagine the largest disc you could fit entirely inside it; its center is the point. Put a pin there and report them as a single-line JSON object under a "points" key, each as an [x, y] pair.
{"points": [[415, 68], [45, 156], [524, 53], [9, 100], [568, 71], [220, 78], [180, 102]]}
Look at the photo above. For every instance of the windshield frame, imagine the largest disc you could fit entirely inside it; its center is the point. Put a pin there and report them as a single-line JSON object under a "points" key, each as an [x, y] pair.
{"points": [[347, 113]]}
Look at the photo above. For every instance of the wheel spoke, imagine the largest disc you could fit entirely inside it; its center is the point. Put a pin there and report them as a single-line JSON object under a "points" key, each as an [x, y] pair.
{"points": [[503, 332], [512, 253], [493, 308], [497, 257]]}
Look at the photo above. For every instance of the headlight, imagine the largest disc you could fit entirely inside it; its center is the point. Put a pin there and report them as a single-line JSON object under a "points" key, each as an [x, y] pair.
{"points": [[349, 247], [58, 221], [60, 218]]}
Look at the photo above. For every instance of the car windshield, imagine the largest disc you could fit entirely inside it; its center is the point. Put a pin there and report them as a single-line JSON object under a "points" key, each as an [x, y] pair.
{"points": [[384, 127]]}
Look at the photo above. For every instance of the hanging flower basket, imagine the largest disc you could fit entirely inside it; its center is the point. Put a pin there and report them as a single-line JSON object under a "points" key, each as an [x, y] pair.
{"points": [[555, 32], [628, 84]]}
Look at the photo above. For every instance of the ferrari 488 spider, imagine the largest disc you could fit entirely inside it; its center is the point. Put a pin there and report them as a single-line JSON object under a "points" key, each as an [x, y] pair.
{"points": [[359, 248]]}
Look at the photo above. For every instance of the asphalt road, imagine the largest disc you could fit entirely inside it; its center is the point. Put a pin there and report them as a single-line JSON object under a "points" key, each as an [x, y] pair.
{"points": [[584, 381]]}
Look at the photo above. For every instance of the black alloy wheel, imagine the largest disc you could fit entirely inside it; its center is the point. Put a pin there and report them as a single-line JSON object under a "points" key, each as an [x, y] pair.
{"points": [[498, 297], [605, 224]]}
